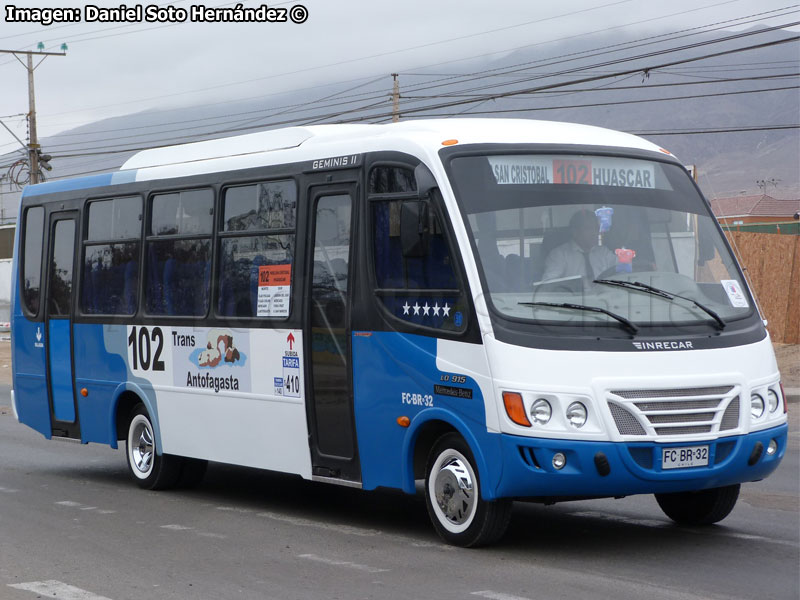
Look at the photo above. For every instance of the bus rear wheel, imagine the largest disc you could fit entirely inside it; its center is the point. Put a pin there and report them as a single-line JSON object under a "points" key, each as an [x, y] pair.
{"points": [[452, 495], [704, 507], [150, 470]]}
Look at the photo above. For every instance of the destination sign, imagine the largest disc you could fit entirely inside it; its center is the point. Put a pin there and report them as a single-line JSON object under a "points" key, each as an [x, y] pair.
{"points": [[596, 170]]}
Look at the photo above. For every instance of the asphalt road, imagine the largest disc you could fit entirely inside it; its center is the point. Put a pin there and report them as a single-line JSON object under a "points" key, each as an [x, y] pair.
{"points": [[73, 527]]}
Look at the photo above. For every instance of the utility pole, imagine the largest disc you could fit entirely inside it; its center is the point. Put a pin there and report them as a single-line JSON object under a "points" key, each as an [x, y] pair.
{"points": [[33, 140], [395, 99]]}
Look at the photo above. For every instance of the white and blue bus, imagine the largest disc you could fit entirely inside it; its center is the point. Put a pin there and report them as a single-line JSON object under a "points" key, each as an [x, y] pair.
{"points": [[505, 309]]}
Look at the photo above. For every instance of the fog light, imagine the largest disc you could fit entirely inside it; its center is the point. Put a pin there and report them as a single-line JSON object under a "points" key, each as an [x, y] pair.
{"points": [[576, 414], [541, 411], [772, 448], [559, 461], [772, 400], [756, 406]]}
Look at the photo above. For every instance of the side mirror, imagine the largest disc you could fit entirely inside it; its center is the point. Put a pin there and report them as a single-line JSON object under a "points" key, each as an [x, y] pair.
{"points": [[415, 233], [426, 182]]}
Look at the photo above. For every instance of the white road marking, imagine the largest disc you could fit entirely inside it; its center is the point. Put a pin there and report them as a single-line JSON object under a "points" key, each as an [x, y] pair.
{"points": [[342, 563], [57, 590], [242, 511], [5, 490], [176, 527], [216, 536], [347, 529], [79, 506], [497, 595]]}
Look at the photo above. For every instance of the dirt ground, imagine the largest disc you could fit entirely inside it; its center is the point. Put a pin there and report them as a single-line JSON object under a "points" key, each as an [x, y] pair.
{"points": [[788, 362]]}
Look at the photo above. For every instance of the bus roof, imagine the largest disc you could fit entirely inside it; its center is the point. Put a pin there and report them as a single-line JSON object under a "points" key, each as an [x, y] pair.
{"points": [[323, 141]]}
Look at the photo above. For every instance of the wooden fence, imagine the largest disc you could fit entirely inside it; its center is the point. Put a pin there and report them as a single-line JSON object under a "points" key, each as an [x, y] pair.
{"points": [[772, 264]]}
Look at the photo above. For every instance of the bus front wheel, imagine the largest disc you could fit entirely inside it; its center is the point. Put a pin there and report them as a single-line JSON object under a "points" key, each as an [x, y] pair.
{"points": [[704, 507], [150, 470], [459, 514]]}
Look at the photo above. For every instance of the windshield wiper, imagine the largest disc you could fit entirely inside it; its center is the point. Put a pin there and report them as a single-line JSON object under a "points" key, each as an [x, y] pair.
{"points": [[628, 324], [643, 287]]}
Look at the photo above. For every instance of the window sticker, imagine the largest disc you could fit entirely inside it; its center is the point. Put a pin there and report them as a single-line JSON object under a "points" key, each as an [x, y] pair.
{"points": [[274, 290], [735, 293]]}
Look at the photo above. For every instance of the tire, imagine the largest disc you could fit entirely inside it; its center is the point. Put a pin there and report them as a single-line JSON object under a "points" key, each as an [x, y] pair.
{"points": [[150, 470], [452, 495], [704, 507]]}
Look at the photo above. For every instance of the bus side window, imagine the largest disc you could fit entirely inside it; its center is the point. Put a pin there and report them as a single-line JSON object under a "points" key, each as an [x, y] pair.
{"points": [[110, 282], [422, 290], [179, 253], [32, 258], [257, 249]]}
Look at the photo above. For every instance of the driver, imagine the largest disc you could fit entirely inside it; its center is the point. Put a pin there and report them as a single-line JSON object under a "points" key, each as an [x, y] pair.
{"points": [[581, 256]]}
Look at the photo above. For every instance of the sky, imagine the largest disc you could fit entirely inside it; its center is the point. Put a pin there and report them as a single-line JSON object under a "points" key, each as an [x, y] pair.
{"points": [[114, 68]]}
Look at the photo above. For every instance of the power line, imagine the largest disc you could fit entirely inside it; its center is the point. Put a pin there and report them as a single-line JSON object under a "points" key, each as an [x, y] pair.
{"points": [[699, 29], [620, 102], [626, 59], [414, 110], [571, 71], [415, 47], [596, 77], [621, 87], [741, 129]]}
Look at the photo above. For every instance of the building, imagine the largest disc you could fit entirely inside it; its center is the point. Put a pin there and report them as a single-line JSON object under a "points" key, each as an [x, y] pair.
{"points": [[741, 210]]}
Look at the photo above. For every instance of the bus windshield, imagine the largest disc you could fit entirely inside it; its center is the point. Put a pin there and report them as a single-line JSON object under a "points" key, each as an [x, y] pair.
{"points": [[575, 238]]}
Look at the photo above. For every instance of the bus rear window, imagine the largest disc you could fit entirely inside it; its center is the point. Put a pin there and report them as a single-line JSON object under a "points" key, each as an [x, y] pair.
{"points": [[32, 258]]}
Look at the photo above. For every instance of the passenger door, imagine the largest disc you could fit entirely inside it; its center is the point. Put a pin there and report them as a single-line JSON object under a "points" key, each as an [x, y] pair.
{"points": [[334, 451], [59, 301]]}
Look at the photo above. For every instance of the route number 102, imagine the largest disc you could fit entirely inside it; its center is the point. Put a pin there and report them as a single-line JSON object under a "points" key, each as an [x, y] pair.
{"points": [[146, 346]]}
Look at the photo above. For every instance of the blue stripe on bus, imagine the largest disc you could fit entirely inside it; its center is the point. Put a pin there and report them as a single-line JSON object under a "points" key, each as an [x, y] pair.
{"points": [[80, 183], [394, 375]]}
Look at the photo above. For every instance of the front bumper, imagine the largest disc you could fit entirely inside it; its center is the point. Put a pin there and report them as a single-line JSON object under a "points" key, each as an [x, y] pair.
{"points": [[633, 467]]}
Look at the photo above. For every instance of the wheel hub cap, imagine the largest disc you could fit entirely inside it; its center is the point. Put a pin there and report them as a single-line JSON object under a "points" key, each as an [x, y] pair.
{"points": [[142, 451], [454, 491]]}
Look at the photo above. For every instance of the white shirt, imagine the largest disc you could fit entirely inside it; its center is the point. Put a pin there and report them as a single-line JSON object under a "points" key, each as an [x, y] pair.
{"points": [[567, 260]]}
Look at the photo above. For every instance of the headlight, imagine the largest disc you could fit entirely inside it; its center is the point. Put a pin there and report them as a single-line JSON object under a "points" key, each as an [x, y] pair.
{"points": [[577, 414], [772, 400], [756, 406], [541, 411]]}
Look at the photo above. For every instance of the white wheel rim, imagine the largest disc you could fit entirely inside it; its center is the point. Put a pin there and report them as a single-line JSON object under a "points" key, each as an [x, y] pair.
{"points": [[452, 490], [141, 447]]}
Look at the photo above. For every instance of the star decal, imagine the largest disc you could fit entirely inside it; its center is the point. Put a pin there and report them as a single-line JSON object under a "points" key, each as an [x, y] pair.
{"points": [[446, 309], [426, 309], [406, 307], [436, 309], [416, 308]]}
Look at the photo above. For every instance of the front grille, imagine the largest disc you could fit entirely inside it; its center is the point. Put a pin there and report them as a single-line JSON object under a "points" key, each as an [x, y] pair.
{"points": [[671, 412], [686, 418], [730, 420], [677, 405], [679, 393], [626, 422], [683, 430]]}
